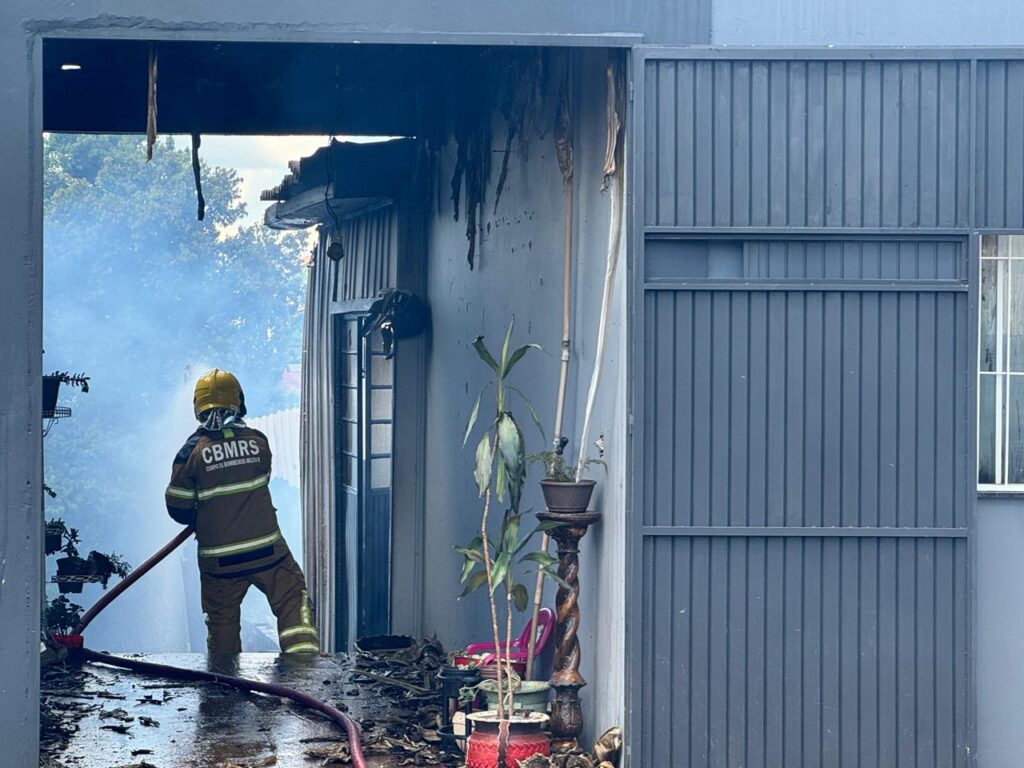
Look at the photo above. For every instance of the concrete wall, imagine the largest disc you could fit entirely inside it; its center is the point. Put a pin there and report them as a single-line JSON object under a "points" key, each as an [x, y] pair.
{"points": [[999, 605], [21, 343], [518, 272], [866, 22], [665, 21]]}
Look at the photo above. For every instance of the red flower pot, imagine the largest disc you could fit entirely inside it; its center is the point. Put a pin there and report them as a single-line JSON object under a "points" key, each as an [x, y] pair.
{"points": [[69, 641], [74, 644], [525, 737]]}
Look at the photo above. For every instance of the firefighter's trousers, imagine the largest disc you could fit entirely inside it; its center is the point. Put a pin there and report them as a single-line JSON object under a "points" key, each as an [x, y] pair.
{"points": [[285, 589]]}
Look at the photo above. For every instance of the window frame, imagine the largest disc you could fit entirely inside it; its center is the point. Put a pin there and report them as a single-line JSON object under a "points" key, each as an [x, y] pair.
{"points": [[1002, 374]]}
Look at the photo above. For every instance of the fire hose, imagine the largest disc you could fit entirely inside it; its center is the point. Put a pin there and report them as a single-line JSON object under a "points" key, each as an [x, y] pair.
{"points": [[178, 673]]}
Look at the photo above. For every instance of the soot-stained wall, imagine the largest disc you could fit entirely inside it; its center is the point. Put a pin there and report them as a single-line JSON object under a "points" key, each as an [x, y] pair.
{"points": [[23, 23], [518, 273]]}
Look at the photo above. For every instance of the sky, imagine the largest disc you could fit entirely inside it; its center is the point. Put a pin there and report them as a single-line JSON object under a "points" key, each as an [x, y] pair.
{"points": [[261, 161]]}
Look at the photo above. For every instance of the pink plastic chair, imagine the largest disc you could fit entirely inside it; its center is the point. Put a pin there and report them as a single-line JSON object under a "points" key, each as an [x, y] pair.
{"points": [[521, 645]]}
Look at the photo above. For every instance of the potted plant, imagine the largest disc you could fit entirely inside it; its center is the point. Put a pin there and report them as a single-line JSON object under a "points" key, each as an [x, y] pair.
{"points": [[529, 695], [61, 617], [56, 530], [71, 564], [104, 566], [503, 736], [51, 387], [564, 490]]}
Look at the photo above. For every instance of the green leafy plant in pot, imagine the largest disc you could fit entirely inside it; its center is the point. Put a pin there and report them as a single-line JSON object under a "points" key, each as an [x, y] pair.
{"points": [[72, 564], [96, 567], [564, 490], [503, 736], [62, 616]]}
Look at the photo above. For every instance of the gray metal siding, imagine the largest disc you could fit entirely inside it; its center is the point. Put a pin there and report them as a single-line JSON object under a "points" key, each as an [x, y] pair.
{"points": [[999, 202], [804, 651], [807, 143], [804, 392], [817, 260], [320, 562], [371, 255], [804, 541], [806, 408]]}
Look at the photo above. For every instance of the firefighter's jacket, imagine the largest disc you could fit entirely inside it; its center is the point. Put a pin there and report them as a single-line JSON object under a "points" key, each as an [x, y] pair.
{"points": [[219, 484]]}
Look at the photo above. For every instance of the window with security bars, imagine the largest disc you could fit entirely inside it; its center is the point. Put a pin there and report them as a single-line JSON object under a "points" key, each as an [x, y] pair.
{"points": [[1001, 364]]}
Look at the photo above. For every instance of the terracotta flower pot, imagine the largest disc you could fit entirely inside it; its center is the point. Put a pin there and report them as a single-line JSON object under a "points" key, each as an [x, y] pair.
{"points": [[525, 737], [565, 497]]}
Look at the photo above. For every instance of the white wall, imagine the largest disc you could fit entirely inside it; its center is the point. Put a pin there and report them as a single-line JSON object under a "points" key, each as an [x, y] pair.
{"points": [[999, 577], [519, 272], [867, 22], [602, 553]]}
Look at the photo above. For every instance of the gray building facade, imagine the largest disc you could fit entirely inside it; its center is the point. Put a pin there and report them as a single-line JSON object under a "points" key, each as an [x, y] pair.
{"points": [[798, 391]]}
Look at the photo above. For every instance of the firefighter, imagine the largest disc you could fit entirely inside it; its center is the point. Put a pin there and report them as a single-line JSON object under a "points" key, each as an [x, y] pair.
{"points": [[219, 485]]}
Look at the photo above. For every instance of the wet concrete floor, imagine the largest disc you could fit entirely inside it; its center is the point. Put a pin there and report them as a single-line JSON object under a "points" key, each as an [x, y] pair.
{"points": [[134, 720]]}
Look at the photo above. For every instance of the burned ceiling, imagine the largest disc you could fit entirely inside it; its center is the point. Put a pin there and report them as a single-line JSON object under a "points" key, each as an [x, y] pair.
{"points": [[100, 86]]}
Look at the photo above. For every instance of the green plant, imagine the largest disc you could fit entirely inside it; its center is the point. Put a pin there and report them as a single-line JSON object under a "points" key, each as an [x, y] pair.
{"points": [[62, 616], [70, 548], [500, 471], [558, 469], [79, 380], [104, 566]]}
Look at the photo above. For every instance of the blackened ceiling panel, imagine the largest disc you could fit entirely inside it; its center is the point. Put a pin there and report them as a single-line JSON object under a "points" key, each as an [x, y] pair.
{"points": [[250, 88]]}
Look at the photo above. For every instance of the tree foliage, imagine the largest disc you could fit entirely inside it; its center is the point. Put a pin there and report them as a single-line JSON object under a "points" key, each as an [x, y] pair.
{"points": [[138, 293]]}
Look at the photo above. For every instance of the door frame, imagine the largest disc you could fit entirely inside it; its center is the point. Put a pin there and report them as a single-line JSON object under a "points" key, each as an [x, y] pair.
{"points": [[350, 624]]}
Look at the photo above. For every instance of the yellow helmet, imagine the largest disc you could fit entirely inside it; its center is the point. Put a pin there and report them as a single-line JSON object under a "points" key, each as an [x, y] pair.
{"points": [[218, 389]]}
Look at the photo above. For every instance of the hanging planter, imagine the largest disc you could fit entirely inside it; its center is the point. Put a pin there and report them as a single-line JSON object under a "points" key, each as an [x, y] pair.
{"points": [[102, 567], [51, 387], [525, 738], [74, 566], [55, 531]]}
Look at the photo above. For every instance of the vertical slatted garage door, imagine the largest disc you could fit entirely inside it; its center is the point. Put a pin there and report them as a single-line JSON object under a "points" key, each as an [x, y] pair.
{"points": [[800, 546]]}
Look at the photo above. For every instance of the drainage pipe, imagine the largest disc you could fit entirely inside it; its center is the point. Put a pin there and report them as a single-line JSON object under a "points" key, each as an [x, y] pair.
{"points": [[242, 684]]}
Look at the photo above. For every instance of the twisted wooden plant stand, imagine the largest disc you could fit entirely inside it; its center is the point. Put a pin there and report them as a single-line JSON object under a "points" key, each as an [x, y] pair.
{"points": [[566, 680]]}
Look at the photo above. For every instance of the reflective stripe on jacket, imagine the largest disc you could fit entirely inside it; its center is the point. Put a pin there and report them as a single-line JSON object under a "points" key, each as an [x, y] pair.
{"points": [[219, 484]]}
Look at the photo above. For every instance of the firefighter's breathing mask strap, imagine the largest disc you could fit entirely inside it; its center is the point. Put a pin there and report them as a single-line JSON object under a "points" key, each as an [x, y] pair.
{"points": [[218, 418]]}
